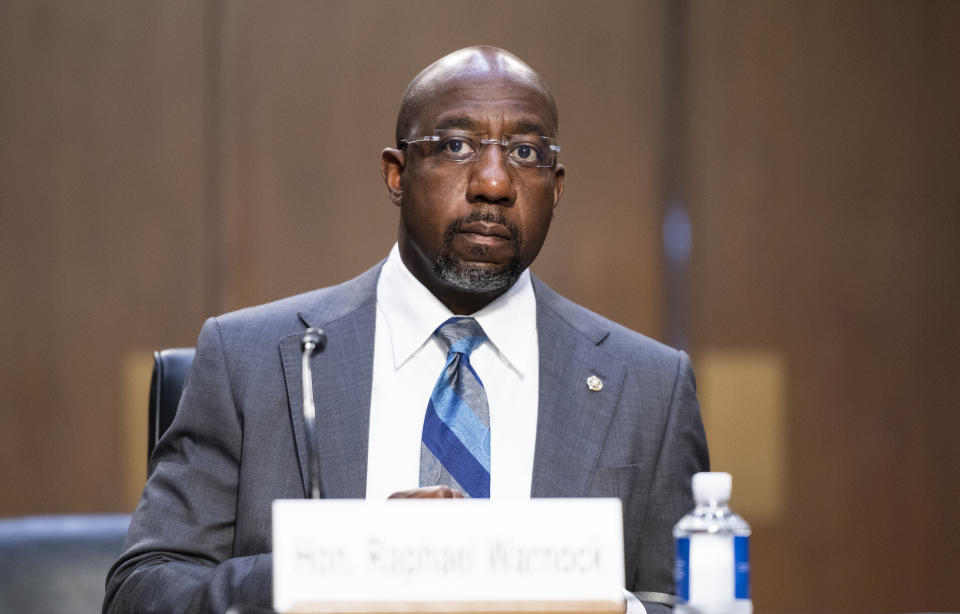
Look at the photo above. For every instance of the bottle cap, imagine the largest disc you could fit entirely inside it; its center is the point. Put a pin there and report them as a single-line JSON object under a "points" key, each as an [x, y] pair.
{"points": [[712, 487]]}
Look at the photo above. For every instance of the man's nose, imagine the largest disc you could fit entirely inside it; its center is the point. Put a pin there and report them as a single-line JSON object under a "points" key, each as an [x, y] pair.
{"points": [[490, 178]]}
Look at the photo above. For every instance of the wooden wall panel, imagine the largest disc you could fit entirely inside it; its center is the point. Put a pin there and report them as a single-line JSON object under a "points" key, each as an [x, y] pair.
{"points": [[823, 190], [164, 161], [101, 232]]}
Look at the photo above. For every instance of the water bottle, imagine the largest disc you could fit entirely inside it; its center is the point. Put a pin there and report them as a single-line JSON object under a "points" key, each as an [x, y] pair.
{"points": [[712, 571]]}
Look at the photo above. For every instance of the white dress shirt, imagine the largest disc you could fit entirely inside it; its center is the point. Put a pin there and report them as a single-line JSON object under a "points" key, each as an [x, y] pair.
{"points": [[408, 359]]}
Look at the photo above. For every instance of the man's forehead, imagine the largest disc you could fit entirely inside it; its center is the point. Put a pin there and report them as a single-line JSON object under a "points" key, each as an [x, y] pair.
{"points": [[481, 102], [457, 119]]}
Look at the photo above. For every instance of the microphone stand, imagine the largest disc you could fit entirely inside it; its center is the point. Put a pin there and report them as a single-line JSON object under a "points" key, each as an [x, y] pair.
{"points": [[314, 340]]}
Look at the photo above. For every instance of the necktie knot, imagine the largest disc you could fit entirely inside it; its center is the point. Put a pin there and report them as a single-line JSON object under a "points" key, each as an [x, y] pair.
{"points": [[461, 335]]}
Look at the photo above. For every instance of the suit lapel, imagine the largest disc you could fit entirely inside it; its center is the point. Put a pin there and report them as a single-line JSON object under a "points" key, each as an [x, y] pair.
{"points": [[342, 375], [572, 419]]}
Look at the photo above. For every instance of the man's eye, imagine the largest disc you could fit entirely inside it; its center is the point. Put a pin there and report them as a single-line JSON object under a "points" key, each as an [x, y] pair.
{"points": [[459, 147], [526, 152]]}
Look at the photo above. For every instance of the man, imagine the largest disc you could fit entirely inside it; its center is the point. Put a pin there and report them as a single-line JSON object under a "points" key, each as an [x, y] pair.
{"points": [[559, 401]]}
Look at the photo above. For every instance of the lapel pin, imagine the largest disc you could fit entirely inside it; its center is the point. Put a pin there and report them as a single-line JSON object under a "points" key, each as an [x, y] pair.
{"points": [[594, 383]]}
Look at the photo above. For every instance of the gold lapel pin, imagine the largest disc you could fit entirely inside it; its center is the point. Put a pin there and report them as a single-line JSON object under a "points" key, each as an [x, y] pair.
{"points": [[594, 383]]}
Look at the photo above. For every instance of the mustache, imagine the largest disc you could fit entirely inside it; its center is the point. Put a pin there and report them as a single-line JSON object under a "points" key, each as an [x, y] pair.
{"points": [[489, 217]]}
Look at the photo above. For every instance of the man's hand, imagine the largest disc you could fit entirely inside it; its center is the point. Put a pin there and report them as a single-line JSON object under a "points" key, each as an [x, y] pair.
{"points": [[428, 492]]}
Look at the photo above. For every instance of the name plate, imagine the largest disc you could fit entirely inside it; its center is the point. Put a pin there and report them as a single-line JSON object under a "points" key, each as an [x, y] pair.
{"points": [[464, 550]]}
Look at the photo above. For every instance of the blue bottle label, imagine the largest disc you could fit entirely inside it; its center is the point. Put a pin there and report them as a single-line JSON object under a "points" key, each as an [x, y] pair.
{"points": [[741, 566], [681, 569]]}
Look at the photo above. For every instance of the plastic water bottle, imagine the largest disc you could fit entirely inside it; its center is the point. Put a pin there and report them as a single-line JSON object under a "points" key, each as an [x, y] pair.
{"points": [[712, 571]]}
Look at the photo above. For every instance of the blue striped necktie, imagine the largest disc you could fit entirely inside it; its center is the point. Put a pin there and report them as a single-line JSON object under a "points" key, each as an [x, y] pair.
{"points": [[455, 449]]}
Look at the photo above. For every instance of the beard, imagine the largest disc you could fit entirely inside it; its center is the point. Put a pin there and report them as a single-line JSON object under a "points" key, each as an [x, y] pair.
{"points": [[471, 277]]}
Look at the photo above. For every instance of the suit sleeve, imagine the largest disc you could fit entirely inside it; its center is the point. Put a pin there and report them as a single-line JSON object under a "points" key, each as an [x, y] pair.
{"points": [[178, 556], [683, 452]]}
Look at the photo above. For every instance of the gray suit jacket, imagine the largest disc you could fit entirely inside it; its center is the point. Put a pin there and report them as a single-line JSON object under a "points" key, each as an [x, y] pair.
{"points": [[200, 538]]}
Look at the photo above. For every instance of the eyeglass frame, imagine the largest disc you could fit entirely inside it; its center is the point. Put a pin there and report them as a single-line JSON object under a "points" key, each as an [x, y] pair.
{"points": [[476, 138]]}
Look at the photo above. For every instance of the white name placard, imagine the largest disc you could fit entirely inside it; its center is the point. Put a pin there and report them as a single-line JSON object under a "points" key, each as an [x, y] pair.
{"points": [[335, 551]]}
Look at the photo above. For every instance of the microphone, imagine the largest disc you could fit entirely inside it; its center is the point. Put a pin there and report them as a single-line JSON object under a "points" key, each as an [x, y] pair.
{"points": [[313, 341]]}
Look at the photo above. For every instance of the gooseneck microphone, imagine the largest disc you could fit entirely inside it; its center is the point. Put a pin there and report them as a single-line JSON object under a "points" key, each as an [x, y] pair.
{"points": [[312, 342]]}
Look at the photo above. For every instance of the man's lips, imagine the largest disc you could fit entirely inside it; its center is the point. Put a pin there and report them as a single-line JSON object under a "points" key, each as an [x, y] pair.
{"points": [[485, 232]]}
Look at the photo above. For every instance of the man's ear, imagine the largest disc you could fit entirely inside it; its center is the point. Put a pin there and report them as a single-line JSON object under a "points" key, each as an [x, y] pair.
{"points": [[391, 167], [558, 176]]}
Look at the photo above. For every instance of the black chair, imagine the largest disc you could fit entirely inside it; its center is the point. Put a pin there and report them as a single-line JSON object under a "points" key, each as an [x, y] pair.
{"points": [[170, 368], [57, 564]]}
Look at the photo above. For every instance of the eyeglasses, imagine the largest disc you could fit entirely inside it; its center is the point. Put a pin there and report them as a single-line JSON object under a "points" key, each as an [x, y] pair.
{"points": [[459, 146]]}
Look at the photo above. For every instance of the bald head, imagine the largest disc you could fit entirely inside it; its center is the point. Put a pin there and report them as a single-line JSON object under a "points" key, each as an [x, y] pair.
{"points": [[473, 66]]}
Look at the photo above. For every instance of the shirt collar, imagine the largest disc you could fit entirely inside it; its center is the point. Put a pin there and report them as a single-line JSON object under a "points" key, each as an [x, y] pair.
{"points": [[412, 314]]}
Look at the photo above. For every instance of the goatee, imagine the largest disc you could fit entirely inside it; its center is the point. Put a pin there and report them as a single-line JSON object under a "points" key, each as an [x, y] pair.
{"points": [[473, 278]]}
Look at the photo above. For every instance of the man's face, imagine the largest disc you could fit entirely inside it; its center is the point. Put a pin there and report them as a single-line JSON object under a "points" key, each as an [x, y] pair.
{"points": [[468, 229]]}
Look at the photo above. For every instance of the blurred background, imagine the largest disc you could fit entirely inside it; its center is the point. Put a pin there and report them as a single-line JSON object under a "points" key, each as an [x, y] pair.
{"points": [[773, 186]]}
